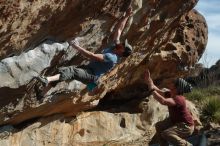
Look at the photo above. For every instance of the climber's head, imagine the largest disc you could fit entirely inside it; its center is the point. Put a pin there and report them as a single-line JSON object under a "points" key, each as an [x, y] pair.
{"points": [[179, 86], [124, 49]]}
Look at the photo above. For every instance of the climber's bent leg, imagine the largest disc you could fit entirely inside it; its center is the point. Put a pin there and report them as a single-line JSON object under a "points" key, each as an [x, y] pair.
{"points": [[177, 134], [80, 74], [160, 127]]}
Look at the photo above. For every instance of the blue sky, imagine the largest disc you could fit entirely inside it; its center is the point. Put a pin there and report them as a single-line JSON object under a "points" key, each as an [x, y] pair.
{"points": [[211, 11]]}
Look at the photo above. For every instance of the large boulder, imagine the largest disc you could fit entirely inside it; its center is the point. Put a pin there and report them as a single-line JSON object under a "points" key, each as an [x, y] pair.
{"points": [[91, 128], [168, 38]]}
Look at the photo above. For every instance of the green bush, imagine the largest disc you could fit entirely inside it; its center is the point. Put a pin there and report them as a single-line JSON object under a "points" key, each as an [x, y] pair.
{"points": [[208, 101], [211, 110], [213, 90], [196, 95], [200, 94]]}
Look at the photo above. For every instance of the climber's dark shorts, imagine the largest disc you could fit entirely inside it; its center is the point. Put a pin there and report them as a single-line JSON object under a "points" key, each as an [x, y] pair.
{"points": [[84, 74]]}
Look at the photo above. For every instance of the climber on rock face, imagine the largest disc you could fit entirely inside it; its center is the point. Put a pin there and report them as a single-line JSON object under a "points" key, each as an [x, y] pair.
{"points": [[180, 123], [99, 64]]}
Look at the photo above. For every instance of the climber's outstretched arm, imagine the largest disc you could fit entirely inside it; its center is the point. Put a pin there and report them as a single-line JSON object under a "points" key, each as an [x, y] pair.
{"points": [[151, 84], [156, 91], [88, 54], [120, 26]]}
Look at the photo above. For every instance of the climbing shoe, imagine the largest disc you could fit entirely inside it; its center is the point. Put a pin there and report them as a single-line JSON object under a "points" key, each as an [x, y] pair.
{"points": [[43, 80]]}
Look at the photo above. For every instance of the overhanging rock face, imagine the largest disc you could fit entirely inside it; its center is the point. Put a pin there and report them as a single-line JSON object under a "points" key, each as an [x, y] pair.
{"points": [[168, 38]]}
